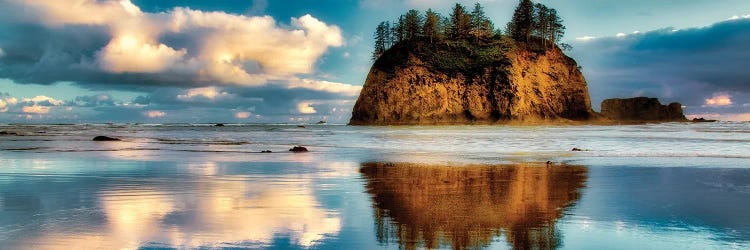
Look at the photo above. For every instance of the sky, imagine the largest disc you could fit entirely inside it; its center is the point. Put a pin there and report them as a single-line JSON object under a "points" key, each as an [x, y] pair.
{"points": [[273, 61]]}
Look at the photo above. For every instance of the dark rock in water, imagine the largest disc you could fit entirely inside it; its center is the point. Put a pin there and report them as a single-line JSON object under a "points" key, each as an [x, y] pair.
{"points": [[641, 109], [702, 120], [322, 122], [298, 149], [7, 133], [266, 151], [576, 149], [105, 138], [219, 125], [300, 126]]}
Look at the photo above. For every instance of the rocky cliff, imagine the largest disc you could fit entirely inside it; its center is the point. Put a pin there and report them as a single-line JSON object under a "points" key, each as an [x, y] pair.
{"points": [[466, 84], [641, 109]]}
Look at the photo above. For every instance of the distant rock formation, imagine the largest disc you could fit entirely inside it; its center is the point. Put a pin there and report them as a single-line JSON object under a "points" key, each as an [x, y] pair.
{"points": [[422, 83], [641, 109], [702, 120]]}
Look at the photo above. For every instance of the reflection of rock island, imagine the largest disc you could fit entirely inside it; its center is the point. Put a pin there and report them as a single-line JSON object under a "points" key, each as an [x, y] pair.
{"points": [[465, 207]]}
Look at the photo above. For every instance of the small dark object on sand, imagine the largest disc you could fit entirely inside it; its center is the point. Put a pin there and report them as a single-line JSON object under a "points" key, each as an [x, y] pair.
{"points": [[7, 133], [219, 125], [105, 138], [298, 149], [300, 126], [549, 163], [266, 151], [576, 149]]}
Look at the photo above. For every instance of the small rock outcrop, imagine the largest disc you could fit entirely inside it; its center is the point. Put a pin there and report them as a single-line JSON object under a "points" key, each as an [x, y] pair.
{"points": [[702, 120], [105, 138], [641, 109], [298, 149]]}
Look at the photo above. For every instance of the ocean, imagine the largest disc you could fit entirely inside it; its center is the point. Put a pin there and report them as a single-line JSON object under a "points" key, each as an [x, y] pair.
{"points": [[653, 186]]}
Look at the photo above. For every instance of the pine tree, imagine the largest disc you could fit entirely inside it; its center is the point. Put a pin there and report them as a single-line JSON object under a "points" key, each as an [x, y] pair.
{"points": [[399, 33], [523, 21], [557, 29], [481, 26], [543, 23], [412, 25], [431, 25], [460, 23], [380, 40]]}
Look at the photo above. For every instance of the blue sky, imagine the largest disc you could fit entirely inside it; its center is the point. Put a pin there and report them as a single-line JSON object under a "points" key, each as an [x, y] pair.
{"points": [[304, 61]]}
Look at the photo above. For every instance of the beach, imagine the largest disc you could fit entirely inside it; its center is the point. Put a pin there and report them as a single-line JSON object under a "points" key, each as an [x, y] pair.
{"points": [[652, 186]]}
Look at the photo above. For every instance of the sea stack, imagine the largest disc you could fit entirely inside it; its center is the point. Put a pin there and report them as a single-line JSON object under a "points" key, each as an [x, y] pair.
{"points": [[641, 109], [495, 81]]}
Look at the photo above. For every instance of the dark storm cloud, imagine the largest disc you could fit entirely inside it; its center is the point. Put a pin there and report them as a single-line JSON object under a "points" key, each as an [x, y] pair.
{"points": [[689, 65]]}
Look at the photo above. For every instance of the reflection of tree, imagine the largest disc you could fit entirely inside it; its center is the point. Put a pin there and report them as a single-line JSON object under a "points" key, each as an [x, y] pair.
{"points": [[465, 207]]}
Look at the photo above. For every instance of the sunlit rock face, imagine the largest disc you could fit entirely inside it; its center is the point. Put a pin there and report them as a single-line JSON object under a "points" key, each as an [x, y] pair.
{"points": [[405, 88], [467, 206]]}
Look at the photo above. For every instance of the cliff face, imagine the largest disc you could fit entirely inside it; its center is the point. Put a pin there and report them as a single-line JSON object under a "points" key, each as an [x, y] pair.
{"points": [[402, 88], [641, 109]]}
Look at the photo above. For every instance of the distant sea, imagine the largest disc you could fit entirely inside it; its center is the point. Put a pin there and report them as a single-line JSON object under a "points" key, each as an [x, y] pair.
{"points": [[654, 186]]}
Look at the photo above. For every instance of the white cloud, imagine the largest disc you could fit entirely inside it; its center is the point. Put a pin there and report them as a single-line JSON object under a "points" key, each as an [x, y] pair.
{"points": [[305, 108], [735, 17], [719, 100], [35, 109], [621, 35], [332, 87], [210, 93], [6, 102], [43, 99], [130, 54], [242, 115], [226, 43], [39, 104], [585, 38], [154, 114]]}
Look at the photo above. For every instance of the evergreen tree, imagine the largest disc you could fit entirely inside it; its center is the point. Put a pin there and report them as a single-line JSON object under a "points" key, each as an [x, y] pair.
{"points": [[557, 29], [523, 21], [388, 35], [543, 23], [431, 25], [460, 23], [481, 26], [398, 31], [380, 40], [412, 25]]}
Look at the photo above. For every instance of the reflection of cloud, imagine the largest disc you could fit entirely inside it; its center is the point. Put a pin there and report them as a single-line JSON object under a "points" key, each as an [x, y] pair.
{"points": [[212, 213]]}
